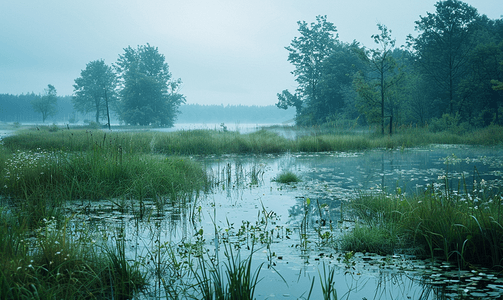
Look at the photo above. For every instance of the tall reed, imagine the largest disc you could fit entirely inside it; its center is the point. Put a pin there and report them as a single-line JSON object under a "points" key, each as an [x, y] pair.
{"points": [[48, 263], [327, 281], [229, 279], [463, 227], [204, 142], [98, 174]]}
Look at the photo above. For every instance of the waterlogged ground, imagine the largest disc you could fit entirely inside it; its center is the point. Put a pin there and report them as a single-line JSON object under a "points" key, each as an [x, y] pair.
{"points": [[293, 229]]}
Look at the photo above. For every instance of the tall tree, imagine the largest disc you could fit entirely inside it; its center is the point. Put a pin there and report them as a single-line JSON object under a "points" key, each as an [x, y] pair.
{"points": [[307, 53], [497, 85], [46, 104], [480, 103], [376, 86], [95, 90], [443, 45], [478, 99], [287, 99], [336, 81], [416, 95], [148, 94]]}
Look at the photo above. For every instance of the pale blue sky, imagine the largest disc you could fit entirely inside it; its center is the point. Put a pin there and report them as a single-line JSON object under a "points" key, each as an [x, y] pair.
{"points": [[225, 51]]}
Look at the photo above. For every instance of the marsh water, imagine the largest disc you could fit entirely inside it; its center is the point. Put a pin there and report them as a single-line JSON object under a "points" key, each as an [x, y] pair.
{"points": [[293, 229]]}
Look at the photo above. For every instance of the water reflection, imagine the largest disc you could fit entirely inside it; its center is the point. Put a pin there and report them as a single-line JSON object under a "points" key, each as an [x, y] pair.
{"points": [[410, 170], [296, 227]]}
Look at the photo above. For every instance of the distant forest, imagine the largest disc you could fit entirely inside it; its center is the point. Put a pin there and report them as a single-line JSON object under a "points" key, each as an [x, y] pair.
{"points": [[450, 76], [195, 113], [18, 108]]}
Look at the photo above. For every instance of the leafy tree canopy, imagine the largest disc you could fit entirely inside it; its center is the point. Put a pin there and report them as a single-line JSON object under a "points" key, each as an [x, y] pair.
{"points": [[443, 46], [95, 89], [148, 94], [46, 104], [308, 53]]}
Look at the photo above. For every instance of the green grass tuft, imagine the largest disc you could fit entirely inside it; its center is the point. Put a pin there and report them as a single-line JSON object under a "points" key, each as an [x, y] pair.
{"points": [[287, 177], [466, 228], [372, 239], [204, 142], [55, 265]]}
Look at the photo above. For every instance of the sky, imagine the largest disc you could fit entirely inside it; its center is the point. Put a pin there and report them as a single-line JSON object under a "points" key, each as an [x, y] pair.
{"points": [[228, 52]]}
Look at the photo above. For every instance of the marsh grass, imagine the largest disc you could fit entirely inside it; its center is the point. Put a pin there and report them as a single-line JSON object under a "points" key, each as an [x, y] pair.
{"points": [[404, 138], [374, 239], [32, 176], [125, 276], [231, 279], [287, 177], [51, 264], [39, 259], [193, 142], [205, 142], [327, 282], [462, 227]]}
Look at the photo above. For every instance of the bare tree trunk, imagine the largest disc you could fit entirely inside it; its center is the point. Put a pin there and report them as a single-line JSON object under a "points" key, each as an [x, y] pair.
{"points": [[108, 112]]}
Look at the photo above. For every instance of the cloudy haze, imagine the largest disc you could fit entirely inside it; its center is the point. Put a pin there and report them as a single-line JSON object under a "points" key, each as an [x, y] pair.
{"points": [[225, 51]]}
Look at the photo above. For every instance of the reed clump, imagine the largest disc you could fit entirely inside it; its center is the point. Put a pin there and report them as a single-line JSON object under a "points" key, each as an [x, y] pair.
{"points": [[97, 174], [462, 227], [287, 177], [48, 263], [236, 280], [373, 239], [205, 142]]}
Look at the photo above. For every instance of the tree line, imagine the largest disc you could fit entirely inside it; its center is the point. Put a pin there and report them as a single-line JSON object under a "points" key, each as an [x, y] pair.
{"points": [[137, 90], [197, 113], [21, 108], [450, 73]]}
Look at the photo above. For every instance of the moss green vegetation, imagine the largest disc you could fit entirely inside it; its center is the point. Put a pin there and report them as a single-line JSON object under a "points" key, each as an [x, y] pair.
{"points": [[41, 169], [466, 228], [374, 239], [51, 264], [204, 142], [38, 175], [287, 177]]}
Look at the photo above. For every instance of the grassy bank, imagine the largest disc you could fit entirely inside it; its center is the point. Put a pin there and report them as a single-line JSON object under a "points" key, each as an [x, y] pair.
{"points": [[95, 175], [204, 142], [40, 169], [463, 227], [43, 259], [405, 138], [38, 183], [50, 263]]}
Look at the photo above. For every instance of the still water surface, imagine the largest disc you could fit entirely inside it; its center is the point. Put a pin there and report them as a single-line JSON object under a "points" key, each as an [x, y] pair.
{"points": [[288, 239]]}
